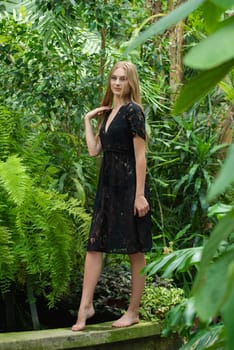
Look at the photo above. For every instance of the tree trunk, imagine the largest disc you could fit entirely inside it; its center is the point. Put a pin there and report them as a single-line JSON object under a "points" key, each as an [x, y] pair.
{"points": [[155, 7], [175, 53], [226, 131], [32, 306]]}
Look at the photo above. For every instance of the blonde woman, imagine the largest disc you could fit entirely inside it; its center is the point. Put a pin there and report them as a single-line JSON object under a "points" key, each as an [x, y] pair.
{"points": [[121, 220]]}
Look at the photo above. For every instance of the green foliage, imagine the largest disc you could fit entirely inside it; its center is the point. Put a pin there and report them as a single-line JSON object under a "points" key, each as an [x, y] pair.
{"points": [[50, 104], [226, 177], [52, 60], [175, 262], [14, 180], [7, 125], [182, 159], [158, 300], [214, 50], [201, 85], [213, 288], [212, 338], [37, 233], [214, 64], [164, 23], [183, 319], [7, 258]]}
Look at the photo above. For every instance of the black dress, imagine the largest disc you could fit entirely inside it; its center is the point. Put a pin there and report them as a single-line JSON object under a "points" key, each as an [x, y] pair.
{"points": [[114, 228]]}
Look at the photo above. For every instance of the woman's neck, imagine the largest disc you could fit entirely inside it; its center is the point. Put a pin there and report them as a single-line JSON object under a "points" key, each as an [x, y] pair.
{"points": [[118, 102]]}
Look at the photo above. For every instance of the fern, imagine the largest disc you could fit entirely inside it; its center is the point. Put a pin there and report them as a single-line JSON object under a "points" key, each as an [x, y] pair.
{"points": [[7, 125], [14, 179], [49, 233], [7, 259]]}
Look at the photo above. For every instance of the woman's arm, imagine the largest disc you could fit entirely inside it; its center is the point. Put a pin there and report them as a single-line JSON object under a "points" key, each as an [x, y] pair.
{"points": [[92, 141], [141, 205]]}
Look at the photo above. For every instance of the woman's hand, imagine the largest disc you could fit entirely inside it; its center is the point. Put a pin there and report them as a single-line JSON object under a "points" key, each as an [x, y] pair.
{"points": [[96, 112], [93, 142], [141, 206]]}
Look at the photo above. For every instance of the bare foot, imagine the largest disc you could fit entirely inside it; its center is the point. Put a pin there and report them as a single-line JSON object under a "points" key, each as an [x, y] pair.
{"points": [[126, 320], [83, 315]]}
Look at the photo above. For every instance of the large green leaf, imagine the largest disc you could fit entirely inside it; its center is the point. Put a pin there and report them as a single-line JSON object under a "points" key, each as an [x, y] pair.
{"points": [[177, 261], [214, 289], [214, 50], [211, 22], [211, 338], [225, 178], [199, 86], [225, 4], [228, 318], [172, 18], [223, 229]]}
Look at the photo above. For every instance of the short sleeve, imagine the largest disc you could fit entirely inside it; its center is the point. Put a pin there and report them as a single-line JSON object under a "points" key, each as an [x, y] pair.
{"points": [[136, 119]]}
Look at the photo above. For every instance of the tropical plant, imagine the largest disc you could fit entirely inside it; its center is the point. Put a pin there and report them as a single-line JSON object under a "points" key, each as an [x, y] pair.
{"points": [[213, 65], [42, 232], [211, 298], [214, 286], [53, 72], [38, 233], [183, 159], [212, 292], [53, 57]]}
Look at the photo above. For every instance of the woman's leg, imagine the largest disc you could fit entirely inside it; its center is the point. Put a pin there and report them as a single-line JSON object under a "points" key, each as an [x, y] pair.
{"points": [[92, 271], [138, 283]]}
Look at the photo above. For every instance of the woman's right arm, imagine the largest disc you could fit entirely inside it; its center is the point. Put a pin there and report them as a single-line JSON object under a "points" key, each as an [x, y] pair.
{"points": [[93, 142]]}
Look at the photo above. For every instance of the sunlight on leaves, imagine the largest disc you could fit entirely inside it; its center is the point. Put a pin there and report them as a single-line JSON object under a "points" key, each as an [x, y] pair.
{"points": [[159, 27], [214, 50]]}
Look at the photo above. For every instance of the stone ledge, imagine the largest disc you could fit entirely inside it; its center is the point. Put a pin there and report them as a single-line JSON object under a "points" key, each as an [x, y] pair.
{"points": [[93, 337]]}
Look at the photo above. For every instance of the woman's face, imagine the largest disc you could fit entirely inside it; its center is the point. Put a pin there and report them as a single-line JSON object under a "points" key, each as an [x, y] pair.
{"points": [[119, 83]]}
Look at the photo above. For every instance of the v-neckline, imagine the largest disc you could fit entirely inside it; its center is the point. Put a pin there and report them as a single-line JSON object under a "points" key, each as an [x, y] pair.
{"points": [[107, 129]]}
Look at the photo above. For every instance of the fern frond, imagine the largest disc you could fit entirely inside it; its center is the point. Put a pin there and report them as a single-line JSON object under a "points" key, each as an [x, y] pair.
{"points": [[50, 232], [80, 215], [7, 125], [13, 179], [7, 259], [49, 246]]}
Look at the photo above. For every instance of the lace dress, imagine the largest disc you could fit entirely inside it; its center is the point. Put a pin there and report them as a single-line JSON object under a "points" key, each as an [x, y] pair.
{"points": [[114, 228]]}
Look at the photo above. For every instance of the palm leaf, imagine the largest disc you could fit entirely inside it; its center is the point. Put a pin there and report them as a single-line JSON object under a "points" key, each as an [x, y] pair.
{"points": [[177, 261]]}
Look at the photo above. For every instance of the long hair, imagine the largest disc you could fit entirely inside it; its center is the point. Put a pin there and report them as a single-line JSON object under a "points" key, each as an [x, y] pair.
{"points": [[133, 80], [134, 91]]}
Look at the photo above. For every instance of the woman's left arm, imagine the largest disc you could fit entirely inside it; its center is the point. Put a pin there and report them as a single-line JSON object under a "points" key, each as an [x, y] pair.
{"points": [[141, 205]]}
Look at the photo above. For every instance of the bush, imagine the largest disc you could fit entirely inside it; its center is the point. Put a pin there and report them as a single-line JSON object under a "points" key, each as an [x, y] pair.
{"points": [[158, 300]]}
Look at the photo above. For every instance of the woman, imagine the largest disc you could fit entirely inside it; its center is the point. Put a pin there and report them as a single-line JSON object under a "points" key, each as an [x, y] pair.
{"points": [[121, 218]]}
